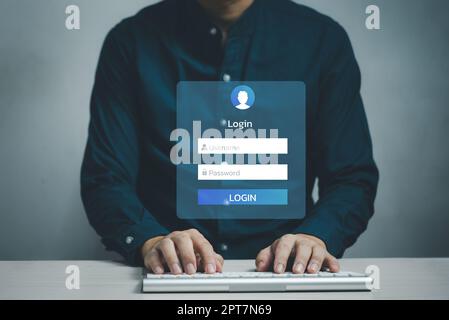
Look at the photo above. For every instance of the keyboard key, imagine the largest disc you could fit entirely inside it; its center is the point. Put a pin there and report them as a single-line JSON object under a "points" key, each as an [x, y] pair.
{"points": [[297, 275], [264, 275], [184, 276], [355, 274], [342, 274], [326, 274], [311, 275]]}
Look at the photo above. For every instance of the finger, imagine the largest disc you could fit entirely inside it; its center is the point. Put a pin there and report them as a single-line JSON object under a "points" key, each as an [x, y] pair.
{"points": [[219, 258], [332, 263], [153, 262], [282, 253], [264, 259], [184, 245], [206, 251], [303, 253], [316, 260], [220, 262], [167, 248]]}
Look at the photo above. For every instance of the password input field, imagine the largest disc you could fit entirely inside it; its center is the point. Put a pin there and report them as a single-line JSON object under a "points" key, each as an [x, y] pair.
{"points": [[243, 146], [243, 172]]}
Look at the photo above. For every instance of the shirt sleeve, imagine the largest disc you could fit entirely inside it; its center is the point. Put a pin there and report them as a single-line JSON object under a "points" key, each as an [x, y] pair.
{"points": [[111, 161], [343, 160]]}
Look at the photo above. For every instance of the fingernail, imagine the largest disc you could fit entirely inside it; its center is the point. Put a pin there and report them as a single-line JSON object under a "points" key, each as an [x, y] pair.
{"points": [[298, 268], [158, 270], [190, 268], [280, 268], [313, 267], [210, 268], [176, 268]]}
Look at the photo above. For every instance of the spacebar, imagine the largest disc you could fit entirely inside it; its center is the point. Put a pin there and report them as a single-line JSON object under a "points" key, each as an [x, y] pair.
{"points": [[187, 288]]}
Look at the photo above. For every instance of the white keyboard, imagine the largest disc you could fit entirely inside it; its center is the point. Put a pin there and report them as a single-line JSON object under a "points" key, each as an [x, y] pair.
{"points": [[256, 282]]}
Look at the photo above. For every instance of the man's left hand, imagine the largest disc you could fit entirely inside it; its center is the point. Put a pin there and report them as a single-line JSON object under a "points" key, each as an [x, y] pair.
{"points": [[309, 254]]}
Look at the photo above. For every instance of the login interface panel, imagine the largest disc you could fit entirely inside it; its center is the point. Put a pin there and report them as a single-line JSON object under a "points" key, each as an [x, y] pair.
{"points": [[239, 150]]}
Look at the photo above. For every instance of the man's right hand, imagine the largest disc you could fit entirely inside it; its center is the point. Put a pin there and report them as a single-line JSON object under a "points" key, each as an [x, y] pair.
{"points": [[181, 251]]}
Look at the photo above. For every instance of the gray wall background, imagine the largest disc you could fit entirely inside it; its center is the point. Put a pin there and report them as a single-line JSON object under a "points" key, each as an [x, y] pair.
{"points": [[46, 75]]}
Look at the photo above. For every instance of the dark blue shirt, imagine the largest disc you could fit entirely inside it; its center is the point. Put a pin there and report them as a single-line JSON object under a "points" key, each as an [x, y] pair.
{"points": [[128, 183]]}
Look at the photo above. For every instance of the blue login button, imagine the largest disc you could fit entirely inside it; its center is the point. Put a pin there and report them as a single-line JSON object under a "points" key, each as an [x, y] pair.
{"points": [[242, 197]]}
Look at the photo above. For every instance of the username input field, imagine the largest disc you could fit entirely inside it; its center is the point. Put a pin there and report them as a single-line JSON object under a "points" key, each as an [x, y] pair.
{"points": [[243, 172], [242, 146]]}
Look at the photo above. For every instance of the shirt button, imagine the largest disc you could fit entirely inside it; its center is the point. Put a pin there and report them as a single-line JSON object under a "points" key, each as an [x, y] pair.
{"points": [[224, 247], [213, 31], [129, 239], [226, 77]]}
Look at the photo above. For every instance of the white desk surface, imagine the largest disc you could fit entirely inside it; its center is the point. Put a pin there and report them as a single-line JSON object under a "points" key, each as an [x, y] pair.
{"points": [[399, 279]]}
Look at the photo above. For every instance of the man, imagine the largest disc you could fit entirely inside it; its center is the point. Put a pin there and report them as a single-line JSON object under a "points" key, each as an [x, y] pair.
{"points": [[128, 182]]}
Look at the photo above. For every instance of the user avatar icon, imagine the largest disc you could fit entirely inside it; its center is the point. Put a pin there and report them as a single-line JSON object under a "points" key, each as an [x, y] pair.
{"points": [[242, 97]]}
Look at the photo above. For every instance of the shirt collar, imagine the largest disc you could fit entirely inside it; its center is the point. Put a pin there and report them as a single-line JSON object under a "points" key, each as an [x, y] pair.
{"points": [[193, 17]]}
